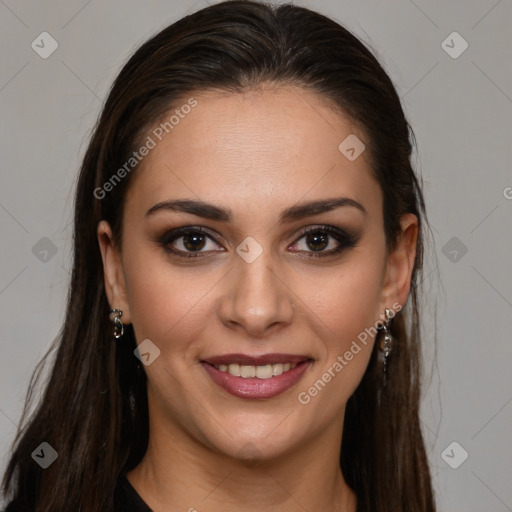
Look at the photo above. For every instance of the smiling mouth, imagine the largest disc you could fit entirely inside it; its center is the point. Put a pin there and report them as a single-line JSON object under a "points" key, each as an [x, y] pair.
{"points": [[263, 366], [263, 376]]}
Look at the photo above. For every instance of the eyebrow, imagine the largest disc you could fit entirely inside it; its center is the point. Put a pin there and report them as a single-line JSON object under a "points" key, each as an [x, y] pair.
{"points": [[293, 213]]}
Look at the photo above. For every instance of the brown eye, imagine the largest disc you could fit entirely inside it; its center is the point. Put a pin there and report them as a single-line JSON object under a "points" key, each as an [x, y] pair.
{"points": [[194, 241], [188, 242], [317, 239]]}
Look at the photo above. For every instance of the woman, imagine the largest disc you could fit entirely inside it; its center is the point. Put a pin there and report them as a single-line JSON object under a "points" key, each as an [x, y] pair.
{"points": [[242, 329]]}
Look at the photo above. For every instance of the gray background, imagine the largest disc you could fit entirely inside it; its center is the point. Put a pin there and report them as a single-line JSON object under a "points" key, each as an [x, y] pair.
{"points": [[461, 111]]}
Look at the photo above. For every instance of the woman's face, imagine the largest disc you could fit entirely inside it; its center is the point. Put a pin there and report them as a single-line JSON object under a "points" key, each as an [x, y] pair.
{"points": [[252, 283]]}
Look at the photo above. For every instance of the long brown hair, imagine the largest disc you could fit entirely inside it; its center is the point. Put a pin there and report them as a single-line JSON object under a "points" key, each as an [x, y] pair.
{"points": [[93, 410]]}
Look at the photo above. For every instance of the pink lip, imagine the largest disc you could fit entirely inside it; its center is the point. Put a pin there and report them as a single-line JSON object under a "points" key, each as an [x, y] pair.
{"points": [[253, 387]]}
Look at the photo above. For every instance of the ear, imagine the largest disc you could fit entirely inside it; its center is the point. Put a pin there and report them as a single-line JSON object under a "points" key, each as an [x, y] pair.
{"points": [[113, 271], [397, 279]]}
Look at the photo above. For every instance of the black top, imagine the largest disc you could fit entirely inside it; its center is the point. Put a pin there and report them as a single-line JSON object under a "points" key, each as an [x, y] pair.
{"points": [[127, 499]]}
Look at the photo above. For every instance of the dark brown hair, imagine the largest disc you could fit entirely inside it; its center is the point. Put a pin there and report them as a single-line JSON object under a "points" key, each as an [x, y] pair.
{"points": [[93, 408]]}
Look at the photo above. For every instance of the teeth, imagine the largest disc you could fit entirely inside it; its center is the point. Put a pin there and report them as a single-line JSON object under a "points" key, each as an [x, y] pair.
{"points": [[264, 372], [234, 369], [247, 371], [261, 372], [277, 369]]}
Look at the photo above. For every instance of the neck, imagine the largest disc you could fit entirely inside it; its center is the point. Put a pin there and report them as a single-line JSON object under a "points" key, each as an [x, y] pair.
{"points": [[180, 473]]}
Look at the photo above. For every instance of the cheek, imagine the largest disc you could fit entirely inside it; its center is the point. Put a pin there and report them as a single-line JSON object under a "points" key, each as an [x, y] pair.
{"points": [[165, 300], [345, 298], [346, 308]]}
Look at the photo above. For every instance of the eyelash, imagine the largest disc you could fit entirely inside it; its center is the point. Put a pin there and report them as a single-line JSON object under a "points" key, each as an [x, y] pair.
{"points": [[344, 239]]}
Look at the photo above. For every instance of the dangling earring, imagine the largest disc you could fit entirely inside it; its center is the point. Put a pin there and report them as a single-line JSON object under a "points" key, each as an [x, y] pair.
{"points": [[386, 342], [118, 325]]}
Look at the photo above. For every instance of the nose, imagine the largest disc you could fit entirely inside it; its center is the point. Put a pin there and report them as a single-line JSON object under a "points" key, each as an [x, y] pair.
{"points": [[257, 297]]}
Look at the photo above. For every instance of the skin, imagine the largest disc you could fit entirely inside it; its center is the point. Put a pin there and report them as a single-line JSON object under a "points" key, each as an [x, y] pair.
{"points": [[256, 153]]}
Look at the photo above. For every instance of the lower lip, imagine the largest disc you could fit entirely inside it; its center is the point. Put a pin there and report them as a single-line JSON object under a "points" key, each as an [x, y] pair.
{"points": [[253, 387]]}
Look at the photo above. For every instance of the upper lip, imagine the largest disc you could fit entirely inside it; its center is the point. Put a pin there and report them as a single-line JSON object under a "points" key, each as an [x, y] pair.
{"points": [[260, 360]]}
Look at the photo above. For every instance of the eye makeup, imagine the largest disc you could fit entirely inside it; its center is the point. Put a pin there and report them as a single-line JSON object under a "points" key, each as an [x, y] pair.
{"points": [[194, 236]]}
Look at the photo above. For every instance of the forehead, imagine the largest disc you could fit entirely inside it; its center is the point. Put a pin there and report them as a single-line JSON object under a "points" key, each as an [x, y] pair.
{"points": [[254, 151]]}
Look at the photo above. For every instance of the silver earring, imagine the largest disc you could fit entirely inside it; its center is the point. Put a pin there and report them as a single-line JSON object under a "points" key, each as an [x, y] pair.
{"points": [[386, 342], [118, 325]]}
